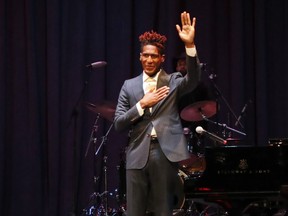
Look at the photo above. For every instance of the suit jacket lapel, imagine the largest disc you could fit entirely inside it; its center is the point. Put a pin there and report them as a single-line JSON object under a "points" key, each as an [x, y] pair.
{"points": [[138, 92], [163, 80]]}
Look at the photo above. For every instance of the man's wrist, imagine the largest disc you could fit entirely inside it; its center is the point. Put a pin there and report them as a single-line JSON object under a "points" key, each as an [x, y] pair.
{"points": [[140, 109], [191, 51]]}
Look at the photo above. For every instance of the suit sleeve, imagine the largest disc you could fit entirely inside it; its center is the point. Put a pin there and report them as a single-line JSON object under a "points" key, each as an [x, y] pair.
{"points": [[193, 75], [125, 114]]}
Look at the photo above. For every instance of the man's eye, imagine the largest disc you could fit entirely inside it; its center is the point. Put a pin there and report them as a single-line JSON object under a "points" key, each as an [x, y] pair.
{"points": [[153, 56]]}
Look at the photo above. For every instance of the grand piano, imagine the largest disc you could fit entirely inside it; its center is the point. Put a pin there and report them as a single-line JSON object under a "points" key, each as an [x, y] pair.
{"points": [[240, 179]]}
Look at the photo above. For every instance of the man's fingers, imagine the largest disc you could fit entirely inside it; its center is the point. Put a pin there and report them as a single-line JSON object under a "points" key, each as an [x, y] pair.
{"points": [[188, 19], [163, 88], [194, 21], [178, 28]]}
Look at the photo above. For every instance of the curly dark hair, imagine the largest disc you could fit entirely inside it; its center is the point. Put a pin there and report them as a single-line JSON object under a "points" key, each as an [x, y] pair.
{"points": [[153, 38]]}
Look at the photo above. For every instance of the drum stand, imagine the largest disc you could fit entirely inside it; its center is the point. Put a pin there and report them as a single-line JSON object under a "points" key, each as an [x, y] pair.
{"points": [[96, 207], [192, 210]]}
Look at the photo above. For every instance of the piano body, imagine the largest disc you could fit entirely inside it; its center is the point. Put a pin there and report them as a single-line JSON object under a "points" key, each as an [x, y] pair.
{"points": [[240, 177]]}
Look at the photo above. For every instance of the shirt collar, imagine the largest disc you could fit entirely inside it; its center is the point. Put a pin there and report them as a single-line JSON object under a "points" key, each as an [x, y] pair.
{"points": [[155, 77]]}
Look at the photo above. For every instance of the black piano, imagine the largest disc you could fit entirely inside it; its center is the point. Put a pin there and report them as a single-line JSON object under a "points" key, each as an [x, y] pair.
{"points": [[240, 178]]}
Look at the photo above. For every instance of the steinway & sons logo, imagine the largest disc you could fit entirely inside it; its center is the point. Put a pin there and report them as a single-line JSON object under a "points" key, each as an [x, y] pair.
{"points": [[242, 168]]}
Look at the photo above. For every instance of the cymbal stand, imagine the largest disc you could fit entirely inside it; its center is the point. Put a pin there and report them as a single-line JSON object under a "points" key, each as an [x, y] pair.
{"points": [[100, 209], [103, 143], [93, 137], [92, 207], [192, 209]]}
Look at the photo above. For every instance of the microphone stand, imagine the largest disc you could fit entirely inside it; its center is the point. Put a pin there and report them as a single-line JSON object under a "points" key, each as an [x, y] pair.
{"points": [[224, 126], [74, 118], [218, 92]]}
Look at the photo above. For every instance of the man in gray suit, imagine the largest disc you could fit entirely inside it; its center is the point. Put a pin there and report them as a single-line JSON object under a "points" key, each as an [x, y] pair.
{"points": [[147, 105]]}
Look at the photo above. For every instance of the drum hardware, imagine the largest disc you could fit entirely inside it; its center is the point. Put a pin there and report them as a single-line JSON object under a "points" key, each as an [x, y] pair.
{"points": [[93, 208], [220, 95], [186, 131], [192, 209], [93, 138], [203, 110], [194, 142], [195, 111], [99, 207], [178, 212], [195, 165], [200, 207], [189, 136], [105, 108]]}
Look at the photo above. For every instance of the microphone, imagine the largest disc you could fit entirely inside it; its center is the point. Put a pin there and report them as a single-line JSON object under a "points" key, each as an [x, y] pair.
{"points": [[97, 64], [212, 136]]}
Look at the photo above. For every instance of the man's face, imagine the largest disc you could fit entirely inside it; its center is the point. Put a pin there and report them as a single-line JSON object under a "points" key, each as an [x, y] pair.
{"points": [[181, 66], [151, 59]]}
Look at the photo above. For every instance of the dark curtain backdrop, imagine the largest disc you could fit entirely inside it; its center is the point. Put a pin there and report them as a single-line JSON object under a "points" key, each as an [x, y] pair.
{"points": [[45, 125]]}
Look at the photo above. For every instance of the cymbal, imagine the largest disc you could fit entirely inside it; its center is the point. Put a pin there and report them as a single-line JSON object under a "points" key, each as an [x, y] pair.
{"points": [[106, 109], [195, 111]]}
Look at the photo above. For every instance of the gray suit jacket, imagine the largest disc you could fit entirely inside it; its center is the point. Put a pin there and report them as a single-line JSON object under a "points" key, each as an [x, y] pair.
{"points": [[164, 117]]}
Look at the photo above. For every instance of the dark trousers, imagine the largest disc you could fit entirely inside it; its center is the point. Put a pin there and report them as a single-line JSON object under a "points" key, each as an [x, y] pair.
{"points": [[152, 188]]}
